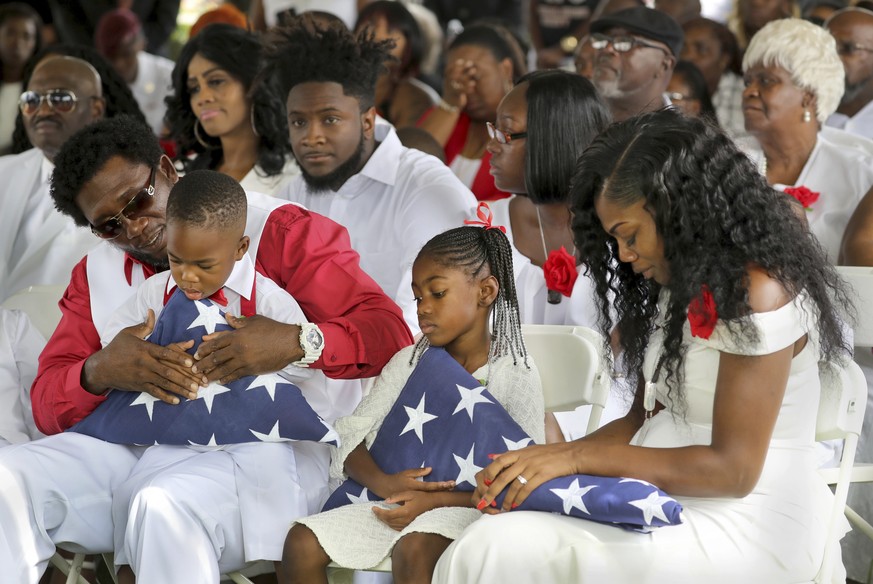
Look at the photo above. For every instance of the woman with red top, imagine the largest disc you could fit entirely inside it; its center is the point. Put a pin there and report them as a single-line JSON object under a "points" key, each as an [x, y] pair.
{"points": [[482, 64]]}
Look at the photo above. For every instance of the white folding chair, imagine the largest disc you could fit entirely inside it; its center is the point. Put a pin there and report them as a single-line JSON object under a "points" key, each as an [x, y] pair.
{"points": [[861, 280], [40, 303], [840, 417]]}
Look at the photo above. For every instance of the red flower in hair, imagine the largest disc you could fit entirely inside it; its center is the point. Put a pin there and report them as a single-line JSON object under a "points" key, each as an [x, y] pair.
{"points": [[803, 195], [702, 314], [560, 271]]}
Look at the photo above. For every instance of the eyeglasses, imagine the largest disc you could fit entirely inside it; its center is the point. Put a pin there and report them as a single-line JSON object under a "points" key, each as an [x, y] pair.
{"points": [[111, 228], [676, 96], [849, 48], [59, 100], [501, 136], [621, 44]]}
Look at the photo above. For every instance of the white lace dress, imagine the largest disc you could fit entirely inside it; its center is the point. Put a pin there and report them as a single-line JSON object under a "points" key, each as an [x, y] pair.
{"points": [[352, 535], [776, 534]]}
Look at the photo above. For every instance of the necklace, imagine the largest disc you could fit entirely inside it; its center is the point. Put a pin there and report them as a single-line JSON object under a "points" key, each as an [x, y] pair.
{"points": [[553, 296]]}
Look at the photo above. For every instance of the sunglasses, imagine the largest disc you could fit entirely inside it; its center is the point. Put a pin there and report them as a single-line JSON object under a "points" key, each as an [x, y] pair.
{"points": [[111, 228], [501, 136], [59, 100], [621, 44]]}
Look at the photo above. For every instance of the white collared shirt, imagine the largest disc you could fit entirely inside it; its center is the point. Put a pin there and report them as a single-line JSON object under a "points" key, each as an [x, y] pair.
{"points": [[861, 123], [400, 199]]}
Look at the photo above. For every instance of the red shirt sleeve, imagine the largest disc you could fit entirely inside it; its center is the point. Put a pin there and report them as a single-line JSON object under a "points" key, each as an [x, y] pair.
{"points": [[57, 396], [311, 257]]}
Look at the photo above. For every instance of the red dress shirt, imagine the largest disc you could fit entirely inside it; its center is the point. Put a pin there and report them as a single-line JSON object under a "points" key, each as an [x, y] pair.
{"points": [[307, 254]]}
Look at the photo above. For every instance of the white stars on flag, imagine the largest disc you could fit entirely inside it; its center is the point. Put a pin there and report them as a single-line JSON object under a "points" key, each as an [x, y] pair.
{"points": [[208, 317], [652, 506], [467, 468], [572, 496], [417, 419], [469, 399]]}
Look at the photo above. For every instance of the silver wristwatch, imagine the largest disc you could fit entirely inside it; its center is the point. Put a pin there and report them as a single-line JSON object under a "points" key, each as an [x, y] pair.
{"points": [[312, 343]]}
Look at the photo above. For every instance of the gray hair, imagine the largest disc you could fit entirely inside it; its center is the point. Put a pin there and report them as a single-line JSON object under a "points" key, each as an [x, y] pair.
{"points": [[808, 53]]}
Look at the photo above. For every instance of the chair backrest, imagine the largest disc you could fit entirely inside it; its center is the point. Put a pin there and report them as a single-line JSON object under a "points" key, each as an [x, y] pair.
{"points": [[40, 303], [840, 416], [861, 281], [572, 368]]}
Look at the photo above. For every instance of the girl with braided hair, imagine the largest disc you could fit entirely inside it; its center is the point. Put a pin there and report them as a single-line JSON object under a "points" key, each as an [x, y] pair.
{"points": [[462, 280]]}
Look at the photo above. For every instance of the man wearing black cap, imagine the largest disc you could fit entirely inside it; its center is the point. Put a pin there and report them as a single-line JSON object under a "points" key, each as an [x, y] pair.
{"points": [[637, 49]]}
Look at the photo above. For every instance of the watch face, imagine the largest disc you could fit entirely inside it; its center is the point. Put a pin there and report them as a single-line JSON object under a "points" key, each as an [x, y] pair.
{"points": [[314, 338]]}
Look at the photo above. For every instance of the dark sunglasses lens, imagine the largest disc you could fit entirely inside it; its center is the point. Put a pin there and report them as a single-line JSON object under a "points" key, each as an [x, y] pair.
{"points": [[137, 204], [62, 101], [107, 230]]}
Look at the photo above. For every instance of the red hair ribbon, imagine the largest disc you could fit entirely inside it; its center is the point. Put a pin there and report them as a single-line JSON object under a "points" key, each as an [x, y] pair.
{"points": [[485, 215]]}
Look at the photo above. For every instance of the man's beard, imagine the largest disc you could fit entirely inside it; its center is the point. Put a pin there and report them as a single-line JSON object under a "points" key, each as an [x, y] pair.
{"points": [[159, 264], [336, 178]]}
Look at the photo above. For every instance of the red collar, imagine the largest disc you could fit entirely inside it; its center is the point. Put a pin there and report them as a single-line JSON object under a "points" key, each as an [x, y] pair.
{"points": [[148, 270]]}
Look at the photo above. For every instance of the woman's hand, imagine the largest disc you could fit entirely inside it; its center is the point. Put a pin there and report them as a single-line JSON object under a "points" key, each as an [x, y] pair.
{"points": [[534, 464], [412, 504], [459, 82]]}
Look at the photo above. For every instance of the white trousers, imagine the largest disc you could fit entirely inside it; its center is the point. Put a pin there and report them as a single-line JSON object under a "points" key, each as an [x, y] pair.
{"points": [[57, 491], [175, 514]]}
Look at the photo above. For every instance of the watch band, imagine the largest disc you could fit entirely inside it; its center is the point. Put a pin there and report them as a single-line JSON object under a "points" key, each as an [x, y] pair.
{"points": [[312, 343]]}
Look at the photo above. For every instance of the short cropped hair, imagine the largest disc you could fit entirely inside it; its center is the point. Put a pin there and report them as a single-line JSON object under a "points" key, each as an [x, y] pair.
{"points": [[304, 51], [88, 150], [808, 53], [207, 199]]}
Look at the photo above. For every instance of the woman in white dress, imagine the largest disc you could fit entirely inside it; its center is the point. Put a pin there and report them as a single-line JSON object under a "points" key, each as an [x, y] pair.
{"points": [[724, 306], [542, 127], [221, 119]]}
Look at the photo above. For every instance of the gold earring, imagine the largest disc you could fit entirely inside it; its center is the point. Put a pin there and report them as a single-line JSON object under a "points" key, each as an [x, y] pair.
{"points": [[199, 138], [807, 117]]}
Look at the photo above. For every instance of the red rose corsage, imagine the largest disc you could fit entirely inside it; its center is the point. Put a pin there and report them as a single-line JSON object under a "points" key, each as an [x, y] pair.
{"points": [[702, 314], [560, 273], [803, 195]]}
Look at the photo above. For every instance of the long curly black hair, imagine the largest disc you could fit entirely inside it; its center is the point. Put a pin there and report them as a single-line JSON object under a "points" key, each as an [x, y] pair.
{"points": [[715, 215], [238, 52], [119, 100]]}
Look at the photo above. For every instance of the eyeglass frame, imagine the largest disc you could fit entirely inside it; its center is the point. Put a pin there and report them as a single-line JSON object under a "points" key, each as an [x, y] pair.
{"points": [[45, 98], [508, 137], [598, 38], [850, 48], [147, 191]]}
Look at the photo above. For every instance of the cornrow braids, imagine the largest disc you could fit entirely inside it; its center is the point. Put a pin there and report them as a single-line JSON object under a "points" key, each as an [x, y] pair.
{"points": [[478, 251]]}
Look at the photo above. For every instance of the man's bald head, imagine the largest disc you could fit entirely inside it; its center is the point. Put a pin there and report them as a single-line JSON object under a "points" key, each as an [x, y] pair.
{"points": [[48, 128]]}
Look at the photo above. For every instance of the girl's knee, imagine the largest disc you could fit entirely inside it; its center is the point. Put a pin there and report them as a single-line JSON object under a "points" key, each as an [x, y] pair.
{"points": [[415, 555], [302, 550]]}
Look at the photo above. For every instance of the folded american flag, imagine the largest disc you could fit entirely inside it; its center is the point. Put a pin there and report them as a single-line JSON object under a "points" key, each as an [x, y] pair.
{"points": [[444, 419], [262, 408]]}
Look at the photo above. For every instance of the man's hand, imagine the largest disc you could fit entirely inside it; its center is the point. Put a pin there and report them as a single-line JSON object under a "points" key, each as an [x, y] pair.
{"points": [[130, 363], [256, 345]]}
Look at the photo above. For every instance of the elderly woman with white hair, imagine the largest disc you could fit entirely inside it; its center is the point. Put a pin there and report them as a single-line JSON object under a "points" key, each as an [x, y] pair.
{"points": [[794, 80]]}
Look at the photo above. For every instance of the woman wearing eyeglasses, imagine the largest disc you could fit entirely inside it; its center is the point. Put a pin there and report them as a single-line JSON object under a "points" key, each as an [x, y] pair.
{"points": [[541, 128], [794, 81], [481, 65], [221, 119], [688, 93]]}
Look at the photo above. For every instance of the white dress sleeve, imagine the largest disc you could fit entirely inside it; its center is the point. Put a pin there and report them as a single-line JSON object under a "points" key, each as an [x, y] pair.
{"points": [[773, 330]]}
